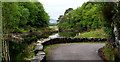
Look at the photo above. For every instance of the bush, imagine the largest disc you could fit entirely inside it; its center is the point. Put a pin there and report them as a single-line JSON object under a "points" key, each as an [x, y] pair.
{"points": [[99, 33]]}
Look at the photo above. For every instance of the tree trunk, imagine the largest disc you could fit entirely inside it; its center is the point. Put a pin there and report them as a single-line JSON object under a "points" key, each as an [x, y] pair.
{"points": [[117, 42], [116, 32]]}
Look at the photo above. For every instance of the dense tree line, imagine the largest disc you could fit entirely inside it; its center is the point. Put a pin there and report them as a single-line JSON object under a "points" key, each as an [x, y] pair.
{"points": [[24, 15], [84, 18]]}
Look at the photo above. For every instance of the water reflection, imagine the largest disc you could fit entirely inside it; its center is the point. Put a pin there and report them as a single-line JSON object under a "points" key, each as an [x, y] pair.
{"points": [[64, 34], [54, 35]]}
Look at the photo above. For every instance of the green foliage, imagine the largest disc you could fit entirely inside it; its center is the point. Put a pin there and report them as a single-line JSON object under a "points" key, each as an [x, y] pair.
{"points": [[19, 17], [21, 51], [108, 31], [111, 12], [52, 24], [68, 33], [97, 34], [109, 54], [11, 15], [23, 15], [84, 18]]}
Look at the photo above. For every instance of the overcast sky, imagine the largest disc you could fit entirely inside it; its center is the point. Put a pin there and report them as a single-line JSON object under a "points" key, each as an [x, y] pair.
{"points": [[57, 7]]}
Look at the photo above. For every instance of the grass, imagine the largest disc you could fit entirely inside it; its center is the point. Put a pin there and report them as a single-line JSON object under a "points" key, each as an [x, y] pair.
{"points": [[99, 33], [109, 54], [53, 27]]}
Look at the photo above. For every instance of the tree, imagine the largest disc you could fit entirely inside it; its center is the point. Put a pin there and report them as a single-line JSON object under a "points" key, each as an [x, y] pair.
{"points": [[111, 14], [24, 15], [86, 17], [68, 10], [11, 15]]}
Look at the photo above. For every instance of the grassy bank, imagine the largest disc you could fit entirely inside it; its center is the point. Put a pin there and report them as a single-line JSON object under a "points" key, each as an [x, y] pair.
{"points": [[108, 53], [29, 29], [111, 55], [99, 33]]}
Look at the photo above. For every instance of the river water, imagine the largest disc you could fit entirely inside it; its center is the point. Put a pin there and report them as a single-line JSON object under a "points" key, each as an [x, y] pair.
{"points": [[64, 34], [54, 35]]}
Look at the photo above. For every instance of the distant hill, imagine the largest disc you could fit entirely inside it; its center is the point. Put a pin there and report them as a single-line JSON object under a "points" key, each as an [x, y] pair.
{"points": [[53, 21]]}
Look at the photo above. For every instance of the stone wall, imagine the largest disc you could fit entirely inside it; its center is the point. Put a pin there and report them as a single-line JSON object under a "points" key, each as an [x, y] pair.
{"points": [[71, 40]]}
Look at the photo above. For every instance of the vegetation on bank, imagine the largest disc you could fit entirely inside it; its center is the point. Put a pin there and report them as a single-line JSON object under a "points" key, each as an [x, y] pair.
{"points": [[99, 33], [52, 24], [24, 50], [85, 18], [108, 53], [21, 51], [19, 17], [54, 28], [23, 16], [111, 54]]}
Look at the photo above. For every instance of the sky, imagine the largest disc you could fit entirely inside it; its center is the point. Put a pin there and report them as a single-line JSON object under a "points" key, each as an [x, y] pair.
{"points": [[55, 8]]}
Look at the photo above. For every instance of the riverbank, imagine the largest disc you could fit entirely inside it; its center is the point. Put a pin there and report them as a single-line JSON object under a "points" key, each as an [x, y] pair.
{"points": [[99, 33], [30, 29], [22, 45], [31, 38], [107, 54]]}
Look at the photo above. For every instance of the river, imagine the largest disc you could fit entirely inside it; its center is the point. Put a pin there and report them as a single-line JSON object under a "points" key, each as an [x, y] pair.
{"points": [[65, 34]]}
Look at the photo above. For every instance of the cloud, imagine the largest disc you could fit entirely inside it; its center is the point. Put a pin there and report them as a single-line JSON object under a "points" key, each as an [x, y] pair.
{"points": [[57, 7]]}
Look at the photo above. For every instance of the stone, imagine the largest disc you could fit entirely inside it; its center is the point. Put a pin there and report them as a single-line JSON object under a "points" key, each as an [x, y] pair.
{"points": [[37, 59], [39, 47], [41, 53]]}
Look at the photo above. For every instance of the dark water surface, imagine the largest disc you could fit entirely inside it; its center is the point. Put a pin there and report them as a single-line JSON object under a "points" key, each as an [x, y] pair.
{"points": [[68, 33], [64, 34]]}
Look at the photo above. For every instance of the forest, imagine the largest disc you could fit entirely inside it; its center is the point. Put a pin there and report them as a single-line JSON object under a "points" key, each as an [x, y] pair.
{"points": [[87, 17], [23, 17]]}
